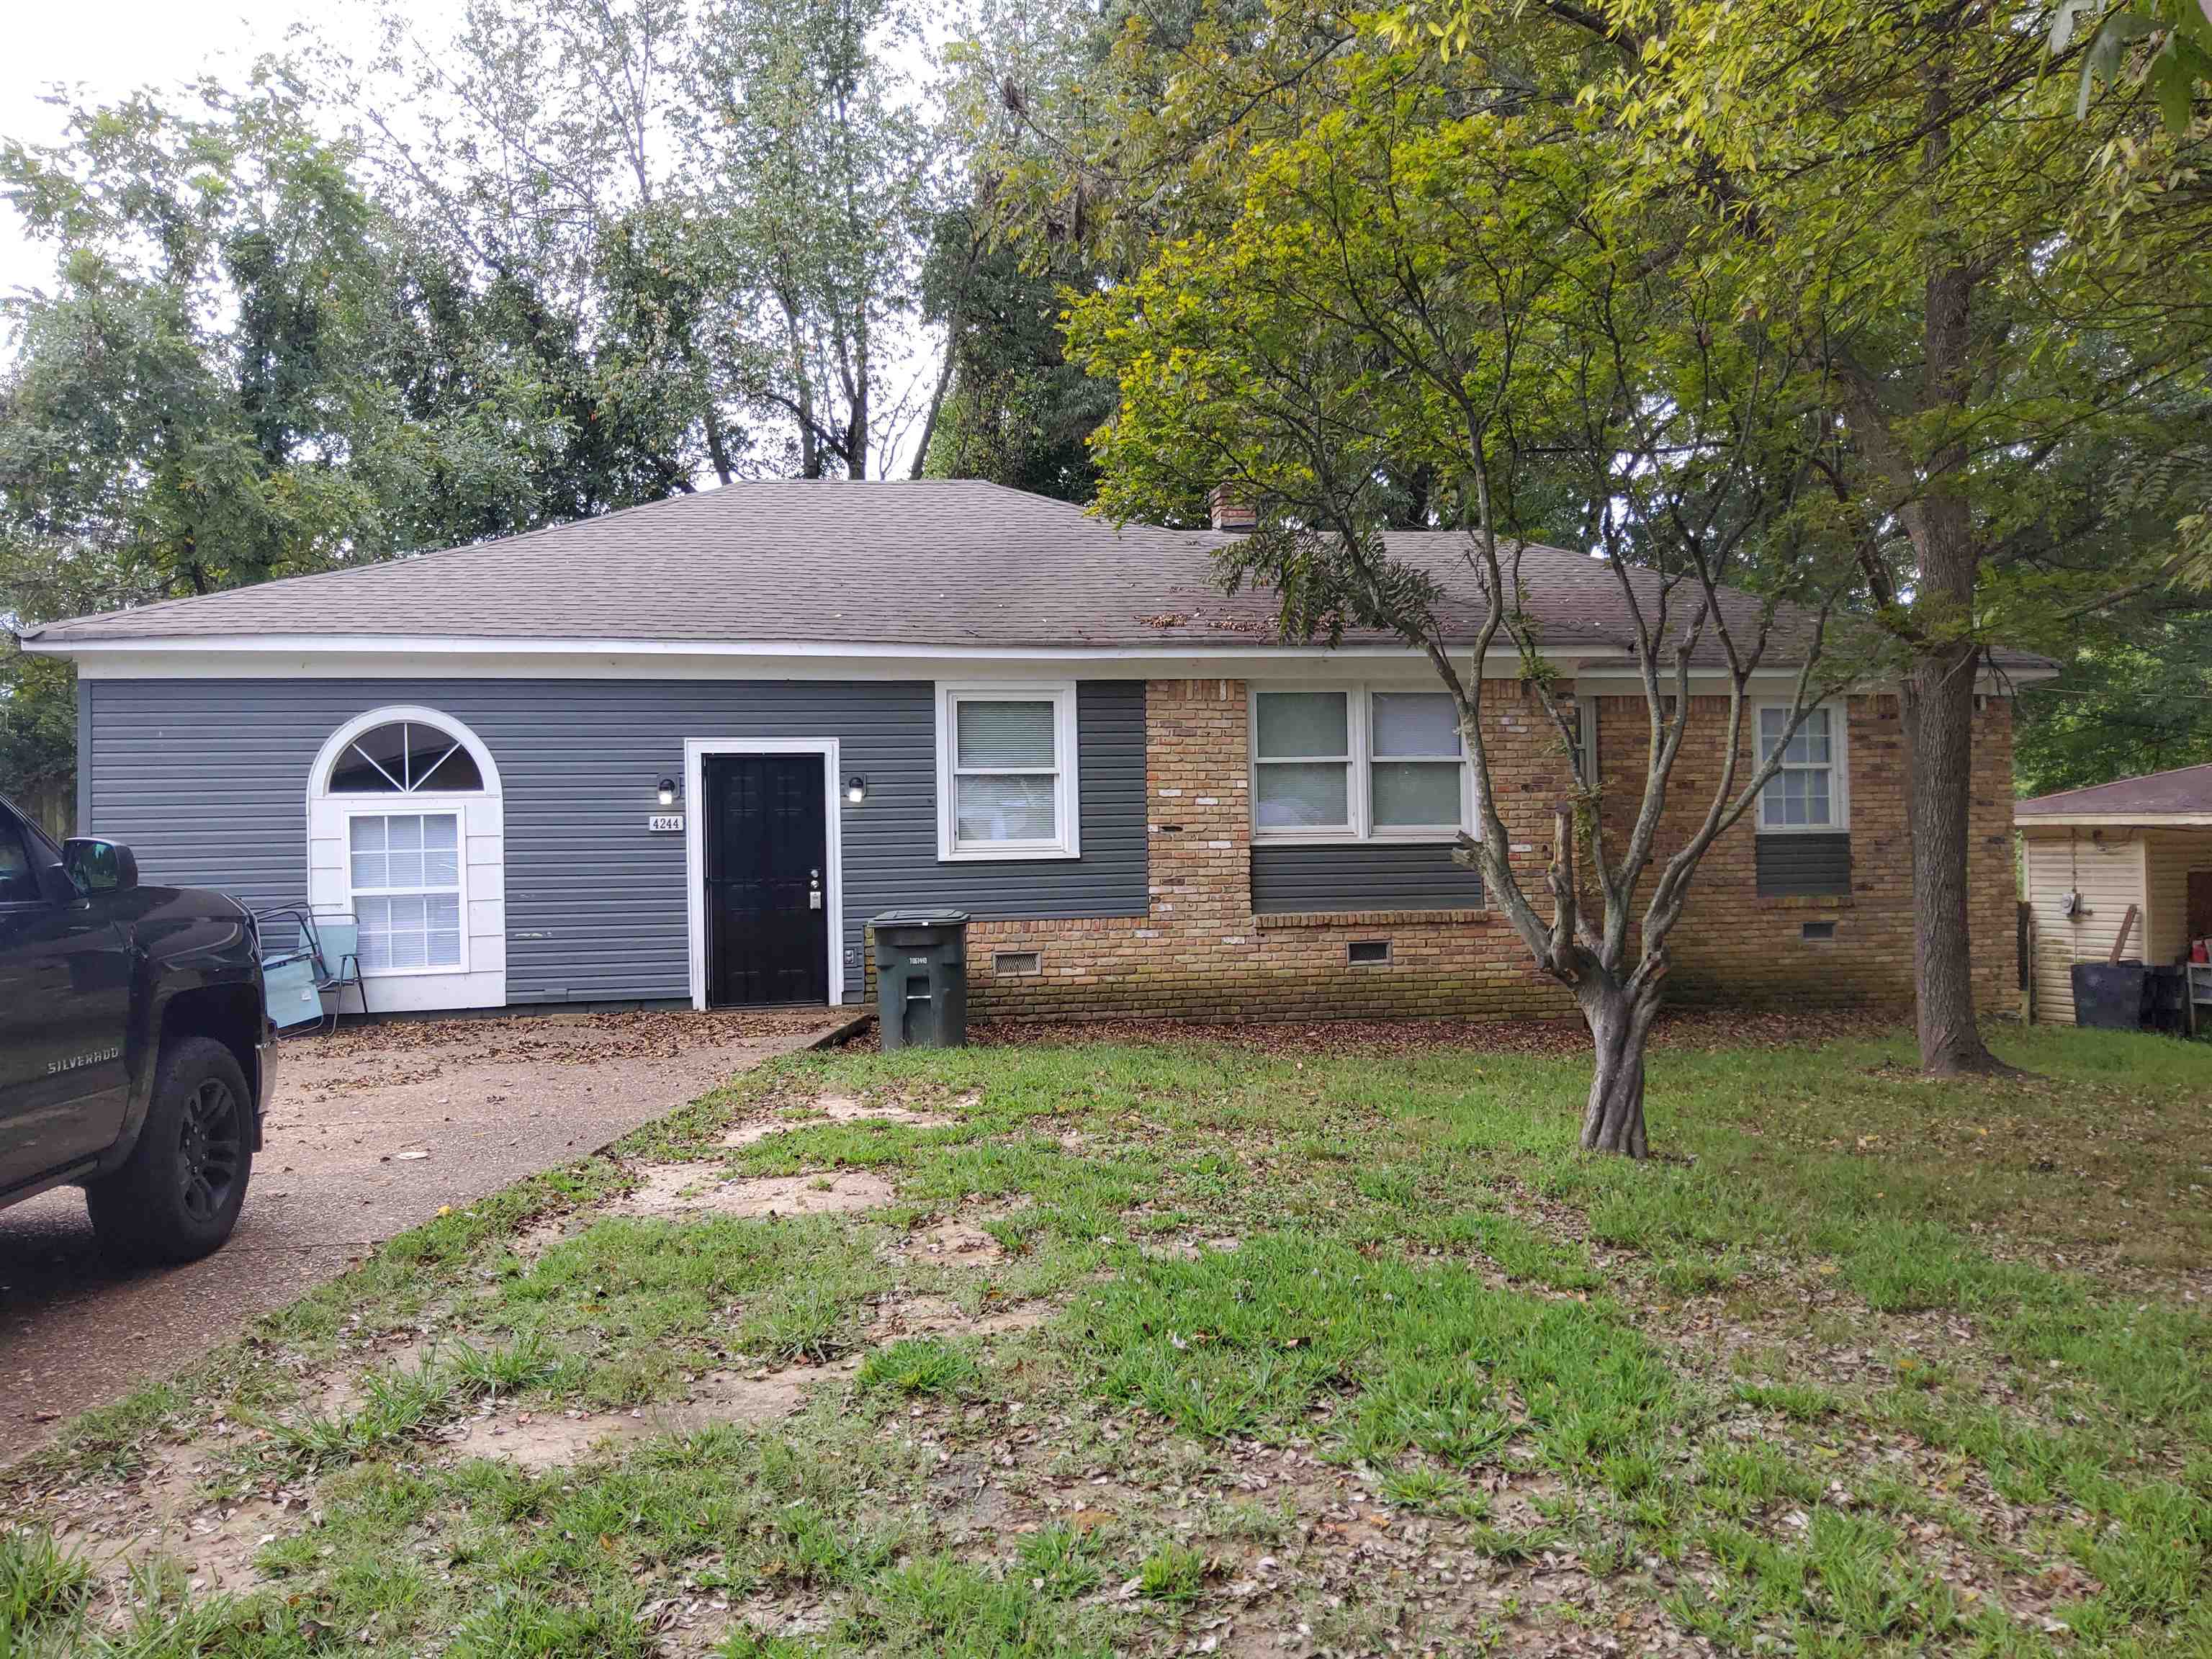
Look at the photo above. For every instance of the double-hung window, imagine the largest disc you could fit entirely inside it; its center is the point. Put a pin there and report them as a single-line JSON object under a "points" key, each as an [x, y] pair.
{"points": [[1302, 771], [1007, 785], [405, 881], [1358, 765], [1808, 793]]}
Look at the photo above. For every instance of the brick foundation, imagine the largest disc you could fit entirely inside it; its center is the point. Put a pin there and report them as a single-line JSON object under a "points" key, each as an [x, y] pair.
{"points": [[1202, 953]]}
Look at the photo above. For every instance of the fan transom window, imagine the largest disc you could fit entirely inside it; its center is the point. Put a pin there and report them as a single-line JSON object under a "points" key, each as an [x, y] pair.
{"points": [[404, 757]]}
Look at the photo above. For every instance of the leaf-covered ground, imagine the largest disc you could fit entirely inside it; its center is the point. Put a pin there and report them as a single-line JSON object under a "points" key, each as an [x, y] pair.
{"points": [[1328, 1341]]}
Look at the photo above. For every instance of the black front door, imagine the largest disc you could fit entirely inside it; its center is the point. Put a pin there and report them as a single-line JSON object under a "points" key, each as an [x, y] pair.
{"points": [[768, 915]]}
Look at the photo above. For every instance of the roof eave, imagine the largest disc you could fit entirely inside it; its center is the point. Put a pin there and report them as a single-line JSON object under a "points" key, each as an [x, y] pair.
{"points": [[2112, 820]]}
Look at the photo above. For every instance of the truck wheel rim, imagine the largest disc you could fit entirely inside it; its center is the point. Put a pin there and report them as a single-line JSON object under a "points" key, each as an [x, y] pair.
{"points": [[207, 1148]]}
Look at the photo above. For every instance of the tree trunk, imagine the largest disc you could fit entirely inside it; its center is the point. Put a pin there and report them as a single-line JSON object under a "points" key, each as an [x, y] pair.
{"points": [[718, 450], [1939, 703], [1614, 1120], [1939, 729]]}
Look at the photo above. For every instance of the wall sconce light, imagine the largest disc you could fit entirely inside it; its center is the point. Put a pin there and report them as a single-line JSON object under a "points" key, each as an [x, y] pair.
{"points": [[856, 789], [667, 791]]}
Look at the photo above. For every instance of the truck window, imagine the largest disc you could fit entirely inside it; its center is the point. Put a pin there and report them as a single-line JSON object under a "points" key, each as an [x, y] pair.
{"points": [[19, 884]]}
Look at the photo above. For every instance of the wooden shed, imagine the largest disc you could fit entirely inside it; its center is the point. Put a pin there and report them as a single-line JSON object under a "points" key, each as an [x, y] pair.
{"points": [[2092, 854]]}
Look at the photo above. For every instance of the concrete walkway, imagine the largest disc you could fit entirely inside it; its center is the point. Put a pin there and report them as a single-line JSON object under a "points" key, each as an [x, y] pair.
{"points": [[371, 1131]]}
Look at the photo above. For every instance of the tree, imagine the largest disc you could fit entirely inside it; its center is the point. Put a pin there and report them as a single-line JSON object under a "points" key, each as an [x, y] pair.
{"points": [[536, 159], [223, 383], [1011, 408], [1990, 296], [1995, 305], [2163, 45], [1422, 275], [2126, 703], [824, 179]]}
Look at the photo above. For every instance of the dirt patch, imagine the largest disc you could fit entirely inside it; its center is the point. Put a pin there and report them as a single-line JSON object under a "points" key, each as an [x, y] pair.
{"points": [[952, 1239], [539, 1441], [165, 1512], [938, 1316], [542, 1440], [833, 1109], [691, 1190]]}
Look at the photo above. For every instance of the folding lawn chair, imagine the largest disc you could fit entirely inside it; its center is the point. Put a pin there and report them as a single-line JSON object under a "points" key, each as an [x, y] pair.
{"points": [[303, 954]]}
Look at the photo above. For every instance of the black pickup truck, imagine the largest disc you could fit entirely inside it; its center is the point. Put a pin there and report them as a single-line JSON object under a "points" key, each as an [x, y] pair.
{"points": [[135, 1050]]}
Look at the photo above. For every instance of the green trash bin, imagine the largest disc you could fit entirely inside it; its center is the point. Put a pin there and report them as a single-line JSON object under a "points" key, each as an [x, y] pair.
{"points": [[921, 978]]}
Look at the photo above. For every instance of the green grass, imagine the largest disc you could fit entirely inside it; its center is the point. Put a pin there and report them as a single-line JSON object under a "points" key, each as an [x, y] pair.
{"points": [[1785, 1362], [918, 1365]]}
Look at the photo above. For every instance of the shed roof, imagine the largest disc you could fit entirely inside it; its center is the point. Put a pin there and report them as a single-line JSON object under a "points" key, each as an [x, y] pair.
{"points": [[2181, 795]]}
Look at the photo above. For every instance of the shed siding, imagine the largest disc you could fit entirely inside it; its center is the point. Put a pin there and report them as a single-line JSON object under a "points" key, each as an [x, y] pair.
{"points": [[1373, 876], [2109, 876], [1791, 865], [2169, 855], [206, 780]]}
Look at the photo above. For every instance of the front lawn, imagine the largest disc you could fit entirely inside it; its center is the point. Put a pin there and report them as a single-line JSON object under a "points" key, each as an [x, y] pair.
{"points": [[1307, 1345]]}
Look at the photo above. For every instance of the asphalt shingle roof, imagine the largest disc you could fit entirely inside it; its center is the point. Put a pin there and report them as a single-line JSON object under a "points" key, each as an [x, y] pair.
{"points": [[920, 565], [2155, 794]]}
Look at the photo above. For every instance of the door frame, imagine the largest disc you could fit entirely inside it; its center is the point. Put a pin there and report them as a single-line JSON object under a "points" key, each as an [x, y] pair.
{"points": [[696, 752]]}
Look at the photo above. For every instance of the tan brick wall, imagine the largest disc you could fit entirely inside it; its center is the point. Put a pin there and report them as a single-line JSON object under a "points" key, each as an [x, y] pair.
{"points": [[1732, 946], [1202, 953]]}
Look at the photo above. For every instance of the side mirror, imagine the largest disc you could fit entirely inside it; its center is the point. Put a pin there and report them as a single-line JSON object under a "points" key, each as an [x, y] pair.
{"points": [[100, 867]]}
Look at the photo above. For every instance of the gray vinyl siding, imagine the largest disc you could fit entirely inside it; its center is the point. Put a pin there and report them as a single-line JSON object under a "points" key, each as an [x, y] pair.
{"points": [[1370, 876], [1794, 864], [206, 780]]}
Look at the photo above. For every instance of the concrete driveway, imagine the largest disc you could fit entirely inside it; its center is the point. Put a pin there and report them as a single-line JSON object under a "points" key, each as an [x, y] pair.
{"points": [[371, 1131]]}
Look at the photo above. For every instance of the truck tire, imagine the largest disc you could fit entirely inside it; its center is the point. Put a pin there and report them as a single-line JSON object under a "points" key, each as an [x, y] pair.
{"points": [[178, 1196]]}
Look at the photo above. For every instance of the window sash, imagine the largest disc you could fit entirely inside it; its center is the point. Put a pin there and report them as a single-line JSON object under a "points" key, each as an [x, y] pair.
{"points": [[1803, 781], [1363, 763], [956, 816], [405, 873]]}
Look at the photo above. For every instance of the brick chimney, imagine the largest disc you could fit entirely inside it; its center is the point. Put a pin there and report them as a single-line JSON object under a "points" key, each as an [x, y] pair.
{"points": [[1231, 512]]}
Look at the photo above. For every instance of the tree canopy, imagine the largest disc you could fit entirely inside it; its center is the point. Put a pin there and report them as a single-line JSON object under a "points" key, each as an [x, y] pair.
{"points": [[1988, 300]]}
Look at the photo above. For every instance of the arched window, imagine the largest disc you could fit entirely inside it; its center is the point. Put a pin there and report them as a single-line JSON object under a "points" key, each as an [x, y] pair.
{"points": [[401, 758], [406, 830]]}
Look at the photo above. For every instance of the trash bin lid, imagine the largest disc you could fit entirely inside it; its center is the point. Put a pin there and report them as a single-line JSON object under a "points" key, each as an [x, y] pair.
{"points": [[920, 918]]}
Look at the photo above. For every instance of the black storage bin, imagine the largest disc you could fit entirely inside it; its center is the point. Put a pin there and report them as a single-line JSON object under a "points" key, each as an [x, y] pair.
{"points": [[2109, 995], [921, 978]]}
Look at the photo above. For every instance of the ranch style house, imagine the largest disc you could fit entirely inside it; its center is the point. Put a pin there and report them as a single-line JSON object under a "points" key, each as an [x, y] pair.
{"points": [[684, 752]]}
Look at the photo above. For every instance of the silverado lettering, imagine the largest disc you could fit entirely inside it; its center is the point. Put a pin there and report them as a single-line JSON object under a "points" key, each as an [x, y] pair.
{"points": [[77, 1061]]}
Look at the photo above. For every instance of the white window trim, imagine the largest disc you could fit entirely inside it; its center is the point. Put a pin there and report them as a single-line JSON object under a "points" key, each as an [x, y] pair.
{"points": [[1067, 794], [454, 805], [1586, 738], [483, 827], [696, 752], [1359, 791], [1839, 784]]}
